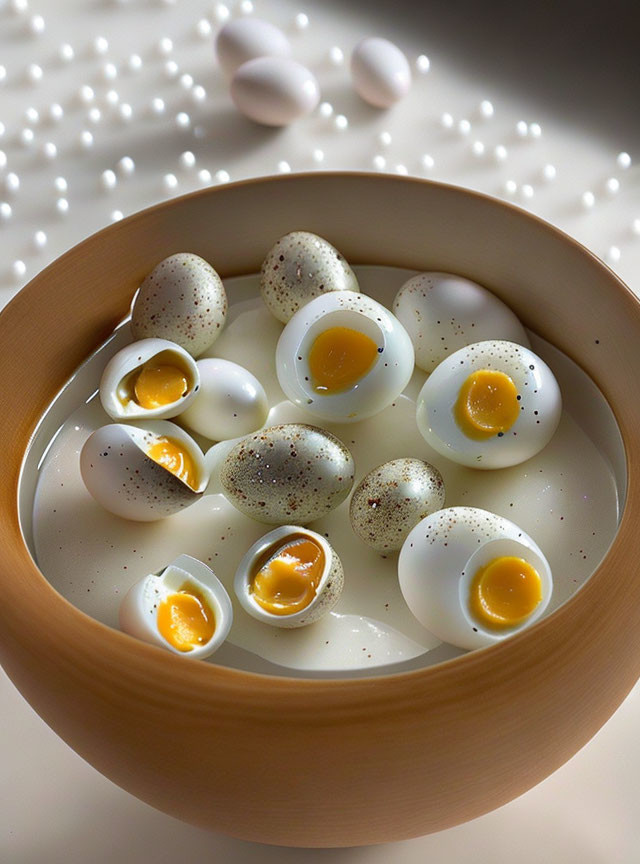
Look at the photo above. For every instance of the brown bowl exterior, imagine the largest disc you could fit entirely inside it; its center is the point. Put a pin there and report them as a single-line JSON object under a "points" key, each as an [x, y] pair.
{"points": [[324, 762]]}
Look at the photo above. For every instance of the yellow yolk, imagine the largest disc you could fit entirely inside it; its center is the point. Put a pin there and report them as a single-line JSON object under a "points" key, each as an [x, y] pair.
{"points": [[173, 456], [159, 384], [185, 619], [487, 404], [338, 359], [505, 592], [288, 582]]}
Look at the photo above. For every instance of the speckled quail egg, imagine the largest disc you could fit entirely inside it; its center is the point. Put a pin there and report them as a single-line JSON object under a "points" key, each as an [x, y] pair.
{"points": [[391, 499], [143, 472], [183, 300], [472, 577], [443, 312], [289, 578], [292, 472], [151, 379], [299, 267], [231, 401], [183, 608], [344, 357], [489, 405]]}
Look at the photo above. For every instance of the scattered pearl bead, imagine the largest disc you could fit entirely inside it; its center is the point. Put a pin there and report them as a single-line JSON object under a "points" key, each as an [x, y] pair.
{"points": [[3, 74], [26, 137], [613, 255], [187, 159], [126, 166], [170, 182], [49, 150], [94, 115], [2, 129], [36, 25], [60, 184], [428, 162], [477, 148], [86, 94], [12, 183], [246, 7], [134, 63], [100, 46], [522, 129], [32, 116], [500, 153], [198, 94], [3, 159], [112, 97], [56, 112], [325, 110], [341, 122], [171, 69], [125, 112], [284, 167], [109, 72], [62, 206], [186, 81], [549, 172], [204, 176], [384, 139], [116, 215], [34, 73], [535, 130], [447, 120], [379, 163], [203, 28], [108, 179], [301, 21], [635, 227], [157, 105], [86, 139], [165, 46], [19, 6], [222, 176], [510, 187], [221, 12], [5, 211], [464, 127], [612, 186], [527, 190], [486, 109], [423, 64], [588, 199], [18, 268], [183, 121], [402, 169], [39, 240], [336, 56], [623, 160], [318, 156]]}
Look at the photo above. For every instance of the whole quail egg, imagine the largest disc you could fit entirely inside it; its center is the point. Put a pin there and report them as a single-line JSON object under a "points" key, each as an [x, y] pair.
{"points": [[292, 472], [244, 39], [393, 498], [380, 72], [472, 577], [289, 578], [299, 267], [274, 91], [183, 300]]}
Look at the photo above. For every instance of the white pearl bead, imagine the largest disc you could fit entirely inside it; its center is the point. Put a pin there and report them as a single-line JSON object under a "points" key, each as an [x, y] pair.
{"points": [[11, 183], [86, 139], [34, 73], [549, 172], [301, 21], [402, 169], [3, 74], [100, 46], [384, 139], [171, 69], [535, 130], [427, 161], [423, 64], [246, 7], [187, 159], [112, 97], [588, 199], [94, 115], [221, 12], [125, 111], [510, 187], [464, 127], [3, 159], [612, 186], [341, 122], [170, 182], [86, 94], [126, 166], [478, 148], [18, 268], [500, 153], [165, 46], [19, 6], [446, 121], [62, 206], [186, 81], [60, 184], [486, 109], [527, 190], [56, 112], [5, 211], [613, 255], [66, 52], [318, 156], [108, 179], [284, 167], [522, 129], [222, 176], [157, 105], [183, 121], [116, 215], [204, 176], [203, 28], [26, 137], [49, 150], [623, 160], [198, 93], [2, 129], [635, 227], [32, 116], [36, 25], [39, 240], [134, 63], [336, 56], [379, 162], [325, 109], [109, 72]]}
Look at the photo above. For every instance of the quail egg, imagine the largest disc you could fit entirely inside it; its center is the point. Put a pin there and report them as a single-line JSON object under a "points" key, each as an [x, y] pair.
{"points": [[244, 39], [274, 91]]}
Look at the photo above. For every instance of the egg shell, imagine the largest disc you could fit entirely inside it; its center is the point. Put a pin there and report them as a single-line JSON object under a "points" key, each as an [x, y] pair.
{"points": [[328, 591], [392, 499], [443, 312], [231, 401], [244, 39], [299, 267], [380, 72], [385, 380], [439, 560], [286, 473], [138, 610], [128, 483], [274, 91], [182, 300], [126, 361]]}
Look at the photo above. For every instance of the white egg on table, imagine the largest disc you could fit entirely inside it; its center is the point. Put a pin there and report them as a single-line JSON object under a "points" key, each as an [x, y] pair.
{"points": [[274, 91], [244, 39], [443, 312], [344, 357], [472, 577], [380, 72], [489, 405]]}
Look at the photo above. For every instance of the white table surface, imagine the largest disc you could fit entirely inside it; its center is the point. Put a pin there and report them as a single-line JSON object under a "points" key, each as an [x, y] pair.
{"points": [[567, 74]]}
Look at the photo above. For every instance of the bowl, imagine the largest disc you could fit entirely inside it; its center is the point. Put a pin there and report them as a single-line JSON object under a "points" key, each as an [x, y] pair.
{"points": [[324, 762]]}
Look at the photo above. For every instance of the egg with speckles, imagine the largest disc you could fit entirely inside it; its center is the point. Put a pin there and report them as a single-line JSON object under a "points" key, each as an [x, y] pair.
{"points": [[287, 473], [183, 300], [393, 498], [443, 312], [472, 577], [143, 472], [299, 267]]}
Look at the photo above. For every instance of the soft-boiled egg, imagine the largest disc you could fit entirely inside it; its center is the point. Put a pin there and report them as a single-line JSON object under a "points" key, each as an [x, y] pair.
{"points": [[344, 357], [490, 405], [472, 577]]}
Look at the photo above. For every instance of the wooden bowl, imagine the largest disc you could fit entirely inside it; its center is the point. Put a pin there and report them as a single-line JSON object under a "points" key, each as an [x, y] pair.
{"points": [[324, 762]]}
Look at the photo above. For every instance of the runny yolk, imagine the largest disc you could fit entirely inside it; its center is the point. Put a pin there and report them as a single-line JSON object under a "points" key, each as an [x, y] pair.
{"points": [[159, 384], [172, 456], [504, 592], [288, 582], [185, 619], [487, 404], [338, 359]]}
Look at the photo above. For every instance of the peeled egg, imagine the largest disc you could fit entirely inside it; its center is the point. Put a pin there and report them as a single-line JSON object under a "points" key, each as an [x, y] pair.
{"points": [[289, 578], [299, 267], [245, 39], [489, 405], [183, 300], [231, 401], [393, 498], [152, 378], [380, 72], [344, 357], [274, 91], [286, 473], [443, 312], [472, 577], [183, 608], [143, 472]]}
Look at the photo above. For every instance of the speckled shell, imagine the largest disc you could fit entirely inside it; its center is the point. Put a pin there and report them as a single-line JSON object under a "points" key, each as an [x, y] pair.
{"points": [[183, 300], [392, 499], [288, 473], [299, 267]]}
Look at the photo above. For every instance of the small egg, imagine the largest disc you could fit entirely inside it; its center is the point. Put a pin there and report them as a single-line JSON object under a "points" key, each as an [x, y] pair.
{"points": [[184, 608], [472, 577], [245, 39], [393, 498], [299, 267], [143, 472], [291, 577], [489, 405], [152, 379], [380, 72], [274, 91], [443, 312], [291, 472], [344, 357], [183, 300], [231, 402]]}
